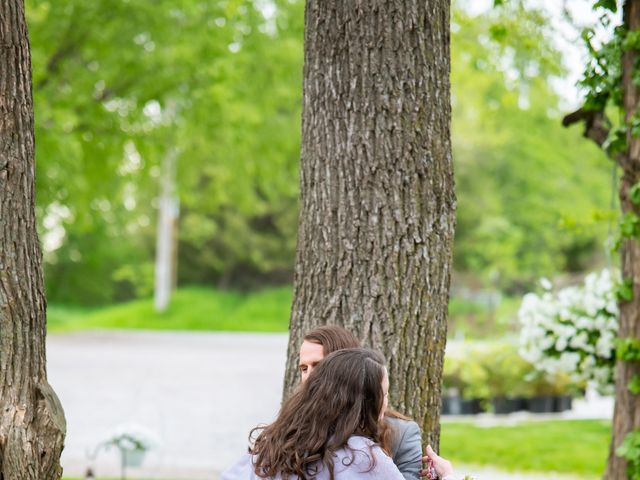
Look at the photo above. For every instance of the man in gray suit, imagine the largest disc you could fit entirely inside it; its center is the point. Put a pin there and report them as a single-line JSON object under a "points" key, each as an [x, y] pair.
{"points": [[404, 435]]}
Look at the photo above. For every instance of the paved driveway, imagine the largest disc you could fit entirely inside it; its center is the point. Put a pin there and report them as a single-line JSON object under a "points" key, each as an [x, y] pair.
{"points": [[200, 393]]}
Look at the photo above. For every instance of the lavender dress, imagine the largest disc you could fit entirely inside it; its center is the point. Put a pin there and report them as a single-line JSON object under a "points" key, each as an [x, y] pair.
{"points": [[345, 468]]}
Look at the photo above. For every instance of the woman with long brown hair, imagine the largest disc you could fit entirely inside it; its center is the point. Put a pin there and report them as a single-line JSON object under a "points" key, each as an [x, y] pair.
{"points": [[329, 428]]}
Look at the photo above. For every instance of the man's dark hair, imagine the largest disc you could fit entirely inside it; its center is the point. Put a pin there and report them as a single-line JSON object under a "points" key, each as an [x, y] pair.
{"points": [[332, 338]]}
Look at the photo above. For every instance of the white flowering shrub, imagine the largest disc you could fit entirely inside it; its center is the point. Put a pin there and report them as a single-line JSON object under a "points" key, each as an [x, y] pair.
{"points": [[572, 330]]}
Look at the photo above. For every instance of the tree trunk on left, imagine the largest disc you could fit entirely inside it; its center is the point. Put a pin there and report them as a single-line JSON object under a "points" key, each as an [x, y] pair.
{"points": [[32, 423]]}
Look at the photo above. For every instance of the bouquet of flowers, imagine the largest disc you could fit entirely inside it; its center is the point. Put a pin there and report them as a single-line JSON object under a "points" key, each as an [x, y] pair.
{"points": [[572, 330]]}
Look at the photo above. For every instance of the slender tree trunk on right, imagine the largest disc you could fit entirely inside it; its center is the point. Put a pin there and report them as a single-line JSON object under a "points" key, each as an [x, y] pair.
{"points": [[32, 423], [626, 415]]}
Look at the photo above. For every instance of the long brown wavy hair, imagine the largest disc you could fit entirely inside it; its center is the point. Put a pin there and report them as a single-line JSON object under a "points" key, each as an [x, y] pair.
{"points": [[342, 397], [334, 338]]}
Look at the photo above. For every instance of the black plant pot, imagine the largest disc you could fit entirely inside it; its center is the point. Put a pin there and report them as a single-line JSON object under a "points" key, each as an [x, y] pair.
{"points": [[446, 405], [562, 403], [471, 407], [542, 404], [451, 405], [504, 405]]}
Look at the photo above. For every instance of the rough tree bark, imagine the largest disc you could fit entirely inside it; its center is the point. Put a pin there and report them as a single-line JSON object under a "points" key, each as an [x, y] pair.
{"points": [[626, 415], [377, 200], [32, 424]]}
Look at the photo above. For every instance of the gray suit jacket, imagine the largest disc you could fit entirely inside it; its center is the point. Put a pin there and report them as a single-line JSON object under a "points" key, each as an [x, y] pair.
{"points": [[407, 447]]}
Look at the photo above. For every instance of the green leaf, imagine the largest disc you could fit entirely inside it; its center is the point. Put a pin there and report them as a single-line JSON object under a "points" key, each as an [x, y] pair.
{"points": [[635, 127], [628, 349], [624, 290], [630, 450], [634, 193], [629, 225], [607, 5], [498, 32], [616, 142], [631, 40], [634, 385]]}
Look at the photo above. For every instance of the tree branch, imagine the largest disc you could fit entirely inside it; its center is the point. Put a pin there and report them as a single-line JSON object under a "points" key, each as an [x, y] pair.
{"points": [[596, 128], [595, 122], [69, 45]]}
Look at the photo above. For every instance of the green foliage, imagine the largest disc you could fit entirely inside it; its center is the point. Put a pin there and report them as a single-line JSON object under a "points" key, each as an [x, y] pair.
{"points": [[630, 451], [160, 78], [506, 370], [634, 194], [630, 225], [624, 290], [217, 85], [539, 446], [603, 73], [635, 127], [511, 157], [606, 4], [631, 40], [634, 385], [488, 369], [616, 142], [628, 349], [466, 376], [192, 308]]}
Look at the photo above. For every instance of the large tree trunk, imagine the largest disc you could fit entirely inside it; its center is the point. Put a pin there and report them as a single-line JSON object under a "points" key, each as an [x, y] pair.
{"points": [[377, 202], [626, 415], [32, 423]]}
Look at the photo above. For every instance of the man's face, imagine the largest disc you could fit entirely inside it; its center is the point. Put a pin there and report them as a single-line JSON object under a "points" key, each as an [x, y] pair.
{"points": [[385, 392], [310, 356]]}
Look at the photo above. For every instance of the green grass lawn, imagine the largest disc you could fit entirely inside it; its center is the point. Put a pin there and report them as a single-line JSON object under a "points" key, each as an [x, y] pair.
{"points": [[267, 310], [191, 308], [577, 447]]}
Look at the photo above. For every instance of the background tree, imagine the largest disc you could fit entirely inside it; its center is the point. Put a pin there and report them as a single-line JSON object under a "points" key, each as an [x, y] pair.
{"points": [[101, 98], [377, 203], [32, 424], [611, 83], [527, 207]]}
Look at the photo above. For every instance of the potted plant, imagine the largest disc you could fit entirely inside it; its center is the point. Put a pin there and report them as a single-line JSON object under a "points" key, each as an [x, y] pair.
{"points": [[542, 395], [506, 372], [572, 330], [132, 441], [474, 379], [452, 386]]}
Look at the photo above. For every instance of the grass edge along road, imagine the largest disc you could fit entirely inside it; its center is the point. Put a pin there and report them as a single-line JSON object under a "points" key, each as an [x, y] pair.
{"points": [[191, 308], [572, 447], [266, 310]]}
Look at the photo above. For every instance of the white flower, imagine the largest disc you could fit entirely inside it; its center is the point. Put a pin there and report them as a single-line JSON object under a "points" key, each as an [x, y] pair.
{"points": [[545, 284], [579, 341], [561, 344], [572, 330], [569, 361]]}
